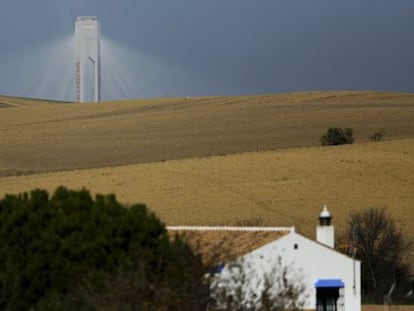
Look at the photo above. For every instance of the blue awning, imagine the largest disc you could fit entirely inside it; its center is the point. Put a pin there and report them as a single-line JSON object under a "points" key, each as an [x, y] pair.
{"points": [[329, 283]]}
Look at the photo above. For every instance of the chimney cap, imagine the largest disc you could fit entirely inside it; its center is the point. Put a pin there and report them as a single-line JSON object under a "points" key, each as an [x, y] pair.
{"points": [[325, 213], [325, 217]]}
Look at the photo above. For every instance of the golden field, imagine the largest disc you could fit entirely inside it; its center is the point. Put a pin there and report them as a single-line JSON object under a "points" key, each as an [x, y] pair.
{"points": [[284, 188], [41, 136], [217, 160]]}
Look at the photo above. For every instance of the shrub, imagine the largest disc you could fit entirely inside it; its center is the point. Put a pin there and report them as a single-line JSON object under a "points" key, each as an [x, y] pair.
{"points": [[73, 252], [378, 136], [337, 136], [242, 287]]}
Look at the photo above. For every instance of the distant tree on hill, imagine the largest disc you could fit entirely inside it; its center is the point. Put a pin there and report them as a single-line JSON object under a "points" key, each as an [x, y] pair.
{"points": [[75, 252], [378, 136], [375, 239], [337, 136]]}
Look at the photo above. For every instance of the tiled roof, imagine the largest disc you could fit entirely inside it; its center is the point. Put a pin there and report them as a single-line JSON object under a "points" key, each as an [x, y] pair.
{"points": [[222, 244]]}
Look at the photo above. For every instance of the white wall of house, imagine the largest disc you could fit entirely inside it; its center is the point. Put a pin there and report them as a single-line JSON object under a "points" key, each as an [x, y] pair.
{"points": [[309, 261]]}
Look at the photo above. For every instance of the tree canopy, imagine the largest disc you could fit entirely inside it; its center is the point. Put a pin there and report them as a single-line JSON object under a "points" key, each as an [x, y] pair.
{"points": [[74, 252]]}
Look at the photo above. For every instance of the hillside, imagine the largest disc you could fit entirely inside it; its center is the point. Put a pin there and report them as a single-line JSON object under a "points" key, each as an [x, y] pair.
{"points": [[285, 187], [40, 136], [270, 165]]}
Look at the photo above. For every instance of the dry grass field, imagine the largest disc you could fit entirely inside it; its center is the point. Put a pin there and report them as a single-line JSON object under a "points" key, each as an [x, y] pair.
{"points": [[213, 161], [41, 136], [285, 187]]}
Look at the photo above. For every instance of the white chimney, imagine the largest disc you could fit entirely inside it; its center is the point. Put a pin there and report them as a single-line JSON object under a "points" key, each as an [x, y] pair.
{"points": [[325, 231]]}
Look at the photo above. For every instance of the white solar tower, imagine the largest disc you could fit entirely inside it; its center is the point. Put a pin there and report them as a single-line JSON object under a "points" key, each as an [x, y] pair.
{"points": [[88, 63]]}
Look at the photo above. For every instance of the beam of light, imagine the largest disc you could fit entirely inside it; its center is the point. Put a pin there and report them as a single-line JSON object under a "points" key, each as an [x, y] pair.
{"points": [[130, 73], [47, 71]]}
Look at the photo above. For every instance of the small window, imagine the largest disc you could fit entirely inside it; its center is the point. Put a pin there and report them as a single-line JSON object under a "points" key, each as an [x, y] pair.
{"points": [[295, 246]]}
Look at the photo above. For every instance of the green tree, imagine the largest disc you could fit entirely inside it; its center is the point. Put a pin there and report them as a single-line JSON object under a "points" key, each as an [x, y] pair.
{"points": [[337, 136], [74, 252]]}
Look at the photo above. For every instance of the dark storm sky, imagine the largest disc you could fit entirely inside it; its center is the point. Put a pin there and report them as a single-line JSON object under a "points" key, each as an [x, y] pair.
{"points": [[250, 46]]}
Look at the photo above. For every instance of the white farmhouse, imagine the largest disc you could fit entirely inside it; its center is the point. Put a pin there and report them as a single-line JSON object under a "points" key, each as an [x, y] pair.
{"points": [[331, 279]]}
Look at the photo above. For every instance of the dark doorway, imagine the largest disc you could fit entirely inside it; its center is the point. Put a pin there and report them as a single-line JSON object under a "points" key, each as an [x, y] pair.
{"points": [[329, 295], [327, 298]]}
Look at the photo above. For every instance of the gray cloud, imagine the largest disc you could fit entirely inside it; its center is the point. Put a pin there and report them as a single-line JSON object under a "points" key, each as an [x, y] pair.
{"points": [[237, 46]]}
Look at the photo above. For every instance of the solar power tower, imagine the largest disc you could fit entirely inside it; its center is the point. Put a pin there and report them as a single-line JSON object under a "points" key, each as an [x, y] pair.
{"points": [[88, 63]]}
